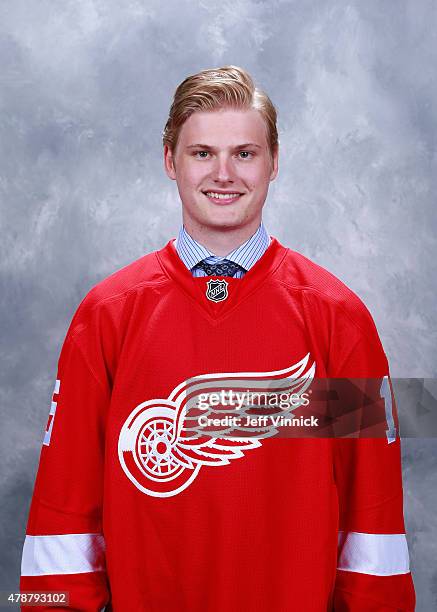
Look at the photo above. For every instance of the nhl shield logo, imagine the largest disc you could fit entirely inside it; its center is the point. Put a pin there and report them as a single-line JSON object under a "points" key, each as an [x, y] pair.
{"points": [[217, 290]]}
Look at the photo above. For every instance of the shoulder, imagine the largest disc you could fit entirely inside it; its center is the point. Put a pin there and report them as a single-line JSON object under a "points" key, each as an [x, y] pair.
{"points": [[143, 271], [324, 292], [108, 297], [338, 319]]}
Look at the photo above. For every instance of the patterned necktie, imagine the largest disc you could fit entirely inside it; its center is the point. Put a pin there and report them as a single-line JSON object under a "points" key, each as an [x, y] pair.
{"points": [[222, 268]]}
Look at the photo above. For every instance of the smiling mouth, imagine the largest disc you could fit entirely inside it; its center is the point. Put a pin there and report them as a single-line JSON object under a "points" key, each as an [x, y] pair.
{"points": [[222, 198]]}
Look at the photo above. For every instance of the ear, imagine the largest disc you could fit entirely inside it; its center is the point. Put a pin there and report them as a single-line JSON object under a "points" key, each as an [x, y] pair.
{"points": [[275, 162], [169, 164]]}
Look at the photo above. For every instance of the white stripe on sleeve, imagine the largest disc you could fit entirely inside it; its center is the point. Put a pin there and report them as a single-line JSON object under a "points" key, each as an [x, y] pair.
{"points": [[373, 553], [74, 553]]}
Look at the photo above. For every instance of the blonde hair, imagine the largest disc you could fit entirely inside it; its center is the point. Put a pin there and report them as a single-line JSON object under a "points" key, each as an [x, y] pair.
{"points": [[213, 89]]}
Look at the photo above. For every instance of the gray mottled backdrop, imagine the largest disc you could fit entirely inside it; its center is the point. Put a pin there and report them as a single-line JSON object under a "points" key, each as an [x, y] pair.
{"points": [[85, 90]]}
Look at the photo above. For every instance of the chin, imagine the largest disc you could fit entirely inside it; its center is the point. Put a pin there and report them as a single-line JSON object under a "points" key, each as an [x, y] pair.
{"points": [[222, 222], [228, 217]]}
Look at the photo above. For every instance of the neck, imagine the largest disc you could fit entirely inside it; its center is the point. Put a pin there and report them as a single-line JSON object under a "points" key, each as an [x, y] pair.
{"points": [[221, 240]]}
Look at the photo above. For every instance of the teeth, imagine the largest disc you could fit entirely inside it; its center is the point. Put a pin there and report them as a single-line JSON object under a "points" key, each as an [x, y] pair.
{"points": [[221, 196]]}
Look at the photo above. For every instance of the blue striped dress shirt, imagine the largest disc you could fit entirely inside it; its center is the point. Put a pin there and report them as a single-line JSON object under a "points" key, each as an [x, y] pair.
{"points": [[246, 255]]}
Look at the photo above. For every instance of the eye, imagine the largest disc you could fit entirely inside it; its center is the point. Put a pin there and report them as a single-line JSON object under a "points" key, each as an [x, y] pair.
{"points": [[246, 154], [198, 153]]}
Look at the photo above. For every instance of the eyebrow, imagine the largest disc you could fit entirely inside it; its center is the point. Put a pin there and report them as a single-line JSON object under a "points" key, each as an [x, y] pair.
{"points": [[241, 146]]}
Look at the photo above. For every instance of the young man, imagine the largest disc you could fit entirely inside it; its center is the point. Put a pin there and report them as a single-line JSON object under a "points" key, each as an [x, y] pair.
{"points": [[133, 512]]}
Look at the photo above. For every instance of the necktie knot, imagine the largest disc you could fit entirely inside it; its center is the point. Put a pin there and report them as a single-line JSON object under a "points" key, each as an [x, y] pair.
{"points": [[225, 267]]}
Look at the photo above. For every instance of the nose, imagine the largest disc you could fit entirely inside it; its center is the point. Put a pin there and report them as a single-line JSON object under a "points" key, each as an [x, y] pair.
{"points": [[223, 170]]}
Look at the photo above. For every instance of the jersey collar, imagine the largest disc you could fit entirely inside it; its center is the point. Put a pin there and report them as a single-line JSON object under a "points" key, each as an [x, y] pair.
{"points": [[238, 289]]}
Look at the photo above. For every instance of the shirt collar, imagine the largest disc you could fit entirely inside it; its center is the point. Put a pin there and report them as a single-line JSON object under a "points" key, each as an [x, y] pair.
{"points": [[246, 255]]}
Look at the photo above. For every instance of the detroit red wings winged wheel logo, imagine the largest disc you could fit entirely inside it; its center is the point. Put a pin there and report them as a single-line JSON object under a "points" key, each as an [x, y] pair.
{"points": [[162, 454]]}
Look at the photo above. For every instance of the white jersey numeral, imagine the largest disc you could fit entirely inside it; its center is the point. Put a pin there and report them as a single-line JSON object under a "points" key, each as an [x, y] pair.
{"points": [[386, 394], [48, 432]]}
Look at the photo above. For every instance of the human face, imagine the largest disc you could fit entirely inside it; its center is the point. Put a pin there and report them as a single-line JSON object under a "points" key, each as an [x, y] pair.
{"points": [[222, 152]]}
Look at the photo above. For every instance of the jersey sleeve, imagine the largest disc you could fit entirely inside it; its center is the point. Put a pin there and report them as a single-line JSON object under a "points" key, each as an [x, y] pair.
{"points": [[373, 572], [64, 547]]}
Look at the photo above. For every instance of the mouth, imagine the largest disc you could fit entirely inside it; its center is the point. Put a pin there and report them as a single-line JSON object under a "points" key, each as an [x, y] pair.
{"points": [[222, 197]]}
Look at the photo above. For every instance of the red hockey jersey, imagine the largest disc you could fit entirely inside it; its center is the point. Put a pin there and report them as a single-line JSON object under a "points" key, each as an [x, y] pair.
{"points": [[126, 513]]}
